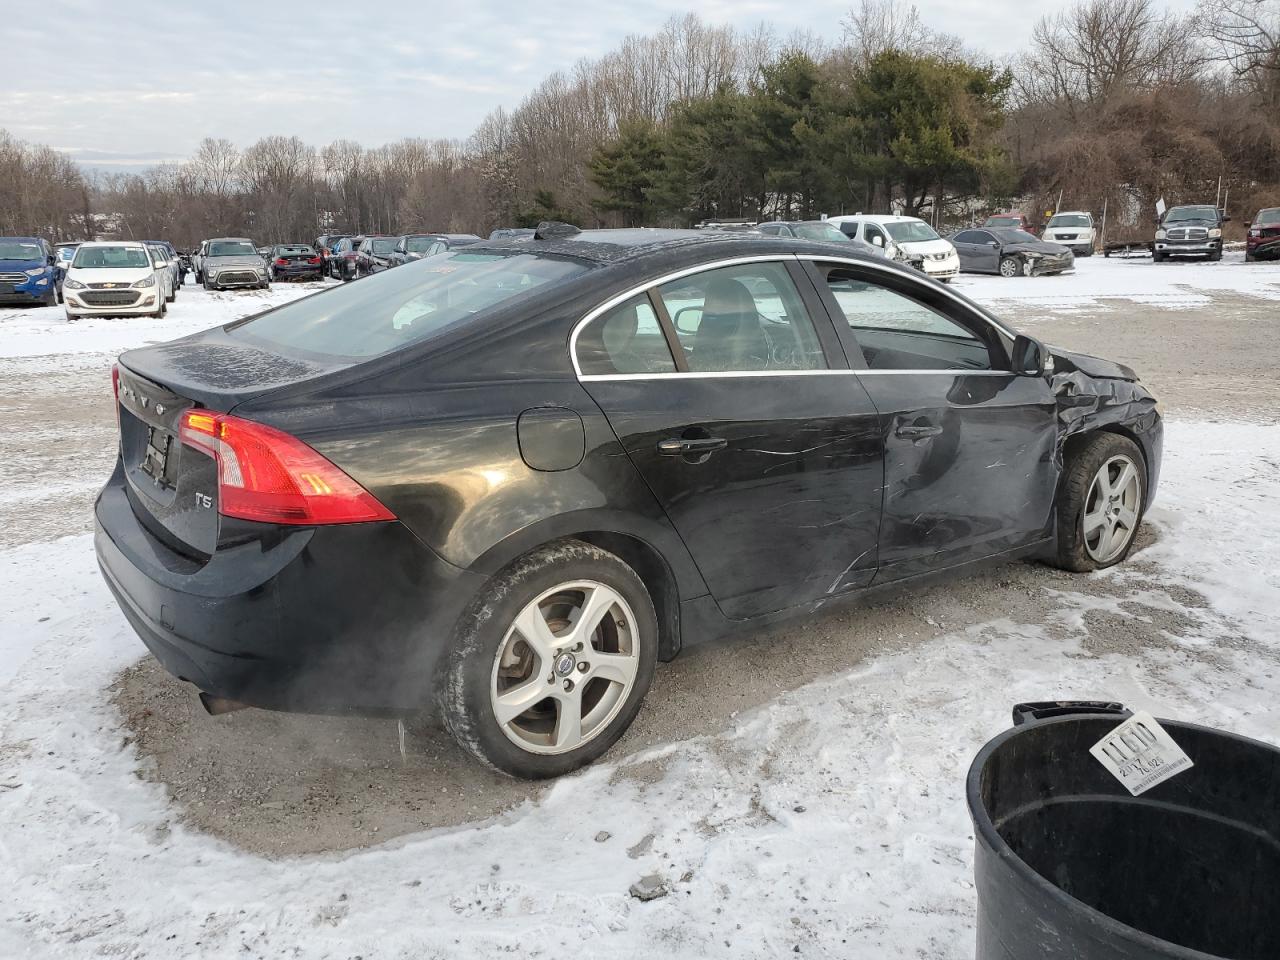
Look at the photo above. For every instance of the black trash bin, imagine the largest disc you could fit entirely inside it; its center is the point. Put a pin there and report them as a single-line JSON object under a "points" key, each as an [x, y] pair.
{"points": [[1069, 866]]}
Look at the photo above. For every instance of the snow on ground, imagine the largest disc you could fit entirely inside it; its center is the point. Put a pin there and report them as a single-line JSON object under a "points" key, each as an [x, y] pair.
{"points": [[41, 331], [831, 822], [1176, 284]]}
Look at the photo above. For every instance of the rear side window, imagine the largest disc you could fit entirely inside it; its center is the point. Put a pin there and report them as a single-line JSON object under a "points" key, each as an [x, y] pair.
{"points": [[626, 339], [742, 318], [401, 306]]}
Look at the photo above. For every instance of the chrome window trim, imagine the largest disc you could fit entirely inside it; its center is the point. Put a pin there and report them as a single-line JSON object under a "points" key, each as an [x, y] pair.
{"points": [[768, 258], [724, 374]]}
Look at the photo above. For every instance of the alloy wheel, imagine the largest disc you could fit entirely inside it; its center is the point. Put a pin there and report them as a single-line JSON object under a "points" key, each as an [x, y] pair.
{"points": [[1009, 267], [565, 667], [1111, 509]]}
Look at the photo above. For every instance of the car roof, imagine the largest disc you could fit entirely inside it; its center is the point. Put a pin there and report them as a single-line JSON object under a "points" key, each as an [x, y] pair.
{"points": [[1073, 213], [610, 247], [23, 239], [872, 218], [113, 243], [218, 239]]}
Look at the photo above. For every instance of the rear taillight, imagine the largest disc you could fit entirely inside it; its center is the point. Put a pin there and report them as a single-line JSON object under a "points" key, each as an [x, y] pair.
{"points": [[314, 260], [281, 262], [115, 391], [266, 475]]}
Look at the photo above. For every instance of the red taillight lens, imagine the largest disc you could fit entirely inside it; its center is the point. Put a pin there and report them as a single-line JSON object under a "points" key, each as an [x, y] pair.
{"points": [[281, 262], [314, 260], [266, 475]]}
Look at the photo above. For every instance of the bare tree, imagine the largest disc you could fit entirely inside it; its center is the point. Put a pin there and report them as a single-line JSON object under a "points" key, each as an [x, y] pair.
{"points": [[1247, 37]]}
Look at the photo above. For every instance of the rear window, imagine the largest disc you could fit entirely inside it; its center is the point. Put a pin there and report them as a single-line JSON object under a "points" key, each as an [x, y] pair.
{"points": [[399, 307]]}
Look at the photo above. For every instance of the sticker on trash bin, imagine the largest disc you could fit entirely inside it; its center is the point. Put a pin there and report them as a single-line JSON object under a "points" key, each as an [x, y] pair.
{"points": [[1140, 753]]}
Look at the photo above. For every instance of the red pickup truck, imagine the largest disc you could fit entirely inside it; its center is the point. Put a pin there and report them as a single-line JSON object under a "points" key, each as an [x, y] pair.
{"points": [[1011, 221]]}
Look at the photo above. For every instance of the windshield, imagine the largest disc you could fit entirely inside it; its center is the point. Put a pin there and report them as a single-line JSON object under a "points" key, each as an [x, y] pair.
{"points": [[383, 246], [1191, 213], [1269, 216], [1070, 220], [419, 244], [1016, 236], [100, 258], [401, 306], [232, 248], [13, 250], [818, 231], [910, 231], [1003, 222]]}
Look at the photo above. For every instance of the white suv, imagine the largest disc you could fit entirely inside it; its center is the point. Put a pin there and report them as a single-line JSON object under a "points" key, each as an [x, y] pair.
{"points": [[907, 239], [114, 279], [1074, 229]]}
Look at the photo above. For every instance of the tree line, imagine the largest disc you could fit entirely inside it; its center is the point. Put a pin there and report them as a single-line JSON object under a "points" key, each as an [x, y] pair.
{"points": [[1115, 103]]}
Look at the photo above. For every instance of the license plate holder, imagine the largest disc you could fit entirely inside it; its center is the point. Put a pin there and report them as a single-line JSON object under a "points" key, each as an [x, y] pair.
{"points": [[155, 460]]}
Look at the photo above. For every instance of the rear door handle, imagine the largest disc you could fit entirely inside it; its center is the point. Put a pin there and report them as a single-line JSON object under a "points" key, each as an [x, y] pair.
{"points": [[679, 447], [917, 431]]}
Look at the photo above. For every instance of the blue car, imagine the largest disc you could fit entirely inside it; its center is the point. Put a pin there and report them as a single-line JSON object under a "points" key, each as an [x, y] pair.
{"points": [[28, 271]]}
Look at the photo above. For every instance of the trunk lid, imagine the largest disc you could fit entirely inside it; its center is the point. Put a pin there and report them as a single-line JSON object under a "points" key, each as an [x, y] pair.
{"points": [[174, 488]]}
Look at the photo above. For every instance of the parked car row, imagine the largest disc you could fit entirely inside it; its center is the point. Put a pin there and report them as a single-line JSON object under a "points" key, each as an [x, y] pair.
{"points": [[348, 258]]}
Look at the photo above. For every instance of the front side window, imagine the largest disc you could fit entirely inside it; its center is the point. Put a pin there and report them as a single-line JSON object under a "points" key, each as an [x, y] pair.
{"points": [[99, 258], [399, 307], [874, 234], [971, 236], [626, 339], [742, 318], [896, 332]]}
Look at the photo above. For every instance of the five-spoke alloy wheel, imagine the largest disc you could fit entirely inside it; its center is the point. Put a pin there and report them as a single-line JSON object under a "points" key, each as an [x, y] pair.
{"points": [[1100, 502], [550, 664]]}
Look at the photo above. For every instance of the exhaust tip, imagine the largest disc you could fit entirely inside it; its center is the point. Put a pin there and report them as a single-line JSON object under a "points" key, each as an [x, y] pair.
{"points": [[216, 706]]}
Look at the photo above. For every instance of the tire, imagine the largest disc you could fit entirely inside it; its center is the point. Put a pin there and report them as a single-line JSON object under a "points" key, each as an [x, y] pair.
{"points": [[162, 310], [71, 317], [1249, 257], [1160, 257], [490, 655], [1010, 266], [205, 283], [1215, 256], [1086, 542]]}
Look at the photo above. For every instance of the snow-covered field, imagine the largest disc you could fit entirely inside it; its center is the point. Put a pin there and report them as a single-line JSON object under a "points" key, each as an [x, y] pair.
{"points": [[829, 823]]}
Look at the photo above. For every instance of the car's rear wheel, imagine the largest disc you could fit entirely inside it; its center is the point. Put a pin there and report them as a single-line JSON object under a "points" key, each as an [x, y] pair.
{"points": [[1100, 503], [1010, 266], [551, 662]]}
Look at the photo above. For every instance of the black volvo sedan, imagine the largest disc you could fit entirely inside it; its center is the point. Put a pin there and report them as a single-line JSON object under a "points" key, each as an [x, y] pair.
{"points": [[497, 485]]}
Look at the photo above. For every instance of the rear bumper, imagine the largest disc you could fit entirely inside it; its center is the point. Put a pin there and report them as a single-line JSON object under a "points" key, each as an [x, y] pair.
{"points": [[1264, 248], [342, 619], [291, 272]]}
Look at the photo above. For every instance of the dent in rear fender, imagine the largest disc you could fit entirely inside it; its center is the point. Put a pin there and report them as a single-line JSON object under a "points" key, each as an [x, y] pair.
{"points": [[454, 475]]}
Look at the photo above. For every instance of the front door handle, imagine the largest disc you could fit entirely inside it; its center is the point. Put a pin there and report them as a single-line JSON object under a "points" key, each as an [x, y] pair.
{"points": [[917, 431], [697, 446]]}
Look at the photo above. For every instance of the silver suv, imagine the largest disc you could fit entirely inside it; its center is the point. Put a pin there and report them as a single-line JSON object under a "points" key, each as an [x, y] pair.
{"points": [[231, 262]]}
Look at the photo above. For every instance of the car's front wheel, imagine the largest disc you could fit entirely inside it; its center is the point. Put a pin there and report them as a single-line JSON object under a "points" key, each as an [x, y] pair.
{"points": [[1100, 502], [551, 662], [1010, 266]]}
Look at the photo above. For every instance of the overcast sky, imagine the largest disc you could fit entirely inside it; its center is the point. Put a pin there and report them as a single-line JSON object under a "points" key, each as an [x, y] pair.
{"points": [[132, 80]]}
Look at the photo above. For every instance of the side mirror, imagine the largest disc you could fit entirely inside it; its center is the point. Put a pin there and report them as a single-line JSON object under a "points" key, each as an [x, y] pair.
{"points": [[1248, 224], [878, 241], [1030, 357], [1225, 218], [993, 243]]}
